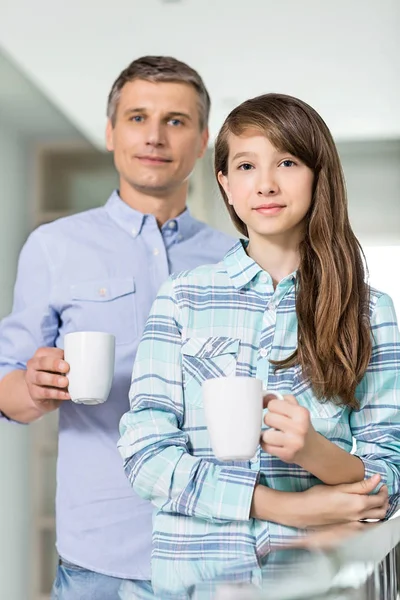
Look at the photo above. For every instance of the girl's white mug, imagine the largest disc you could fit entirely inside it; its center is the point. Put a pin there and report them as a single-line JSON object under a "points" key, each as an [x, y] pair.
{"points": [[233, 409]]}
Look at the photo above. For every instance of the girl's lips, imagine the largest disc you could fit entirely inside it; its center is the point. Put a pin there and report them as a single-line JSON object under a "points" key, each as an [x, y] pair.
{"points": [[270, 209]]}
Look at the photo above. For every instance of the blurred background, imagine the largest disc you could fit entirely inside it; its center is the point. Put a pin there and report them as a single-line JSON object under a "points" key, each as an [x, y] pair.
{"points": [[58, 61]]}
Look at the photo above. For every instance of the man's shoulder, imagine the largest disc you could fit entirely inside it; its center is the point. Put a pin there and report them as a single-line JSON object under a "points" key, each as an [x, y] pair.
{"points": [[72, 231], [86, 218], [214, 235], [69, 236]]}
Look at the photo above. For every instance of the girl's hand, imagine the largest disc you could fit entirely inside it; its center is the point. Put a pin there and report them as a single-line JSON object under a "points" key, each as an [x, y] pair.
{"points": [[324, 505], [292, 433]]}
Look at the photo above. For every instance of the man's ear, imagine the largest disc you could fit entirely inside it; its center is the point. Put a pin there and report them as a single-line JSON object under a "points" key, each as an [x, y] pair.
{"points": [[109, 136]]}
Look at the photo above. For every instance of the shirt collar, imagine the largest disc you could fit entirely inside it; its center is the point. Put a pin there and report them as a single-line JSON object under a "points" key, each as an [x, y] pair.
{"points": [[184, 225], [132, 221], [242, 269], [127, 218]]}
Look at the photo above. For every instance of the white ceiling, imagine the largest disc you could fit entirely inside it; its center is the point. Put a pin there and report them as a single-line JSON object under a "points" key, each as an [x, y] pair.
{"points": [[342, 56]]}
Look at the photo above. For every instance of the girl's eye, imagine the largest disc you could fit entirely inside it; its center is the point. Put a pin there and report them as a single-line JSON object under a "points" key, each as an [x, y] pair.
{"points": [[246, 167], [288, 163]]}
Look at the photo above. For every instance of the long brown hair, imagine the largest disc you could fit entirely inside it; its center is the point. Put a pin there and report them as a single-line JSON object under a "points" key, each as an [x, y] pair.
{"points": [[332, 294]]}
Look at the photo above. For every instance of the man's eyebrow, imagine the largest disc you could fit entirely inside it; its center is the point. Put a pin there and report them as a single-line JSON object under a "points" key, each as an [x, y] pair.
{"points": [[179, 114], [169, 114], [128, 111]]}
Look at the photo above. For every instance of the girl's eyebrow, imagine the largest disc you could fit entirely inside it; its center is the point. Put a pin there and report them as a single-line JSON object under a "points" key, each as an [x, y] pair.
{"points": [[241, 154]]}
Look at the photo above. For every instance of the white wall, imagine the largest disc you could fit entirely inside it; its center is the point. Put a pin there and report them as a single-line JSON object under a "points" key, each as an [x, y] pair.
{"points": [[27, 119], [373, 183], [372, 172], [14, 451], [342, 56]]}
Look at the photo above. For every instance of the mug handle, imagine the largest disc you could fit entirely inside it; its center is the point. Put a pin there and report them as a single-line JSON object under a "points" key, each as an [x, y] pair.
{"points": [[278, 396]]}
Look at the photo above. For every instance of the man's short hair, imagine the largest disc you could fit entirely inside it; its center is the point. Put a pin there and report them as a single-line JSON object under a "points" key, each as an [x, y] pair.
{"points": [[160, 69]]}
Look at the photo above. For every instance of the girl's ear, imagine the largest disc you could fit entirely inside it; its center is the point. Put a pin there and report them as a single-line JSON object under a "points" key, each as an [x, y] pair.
{"points": [[223, 181]]}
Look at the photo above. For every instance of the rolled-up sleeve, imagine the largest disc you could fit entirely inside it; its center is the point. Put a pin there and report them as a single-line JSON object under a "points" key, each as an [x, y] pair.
{"points": [[153, 445], [32, 322], [376, 425]]}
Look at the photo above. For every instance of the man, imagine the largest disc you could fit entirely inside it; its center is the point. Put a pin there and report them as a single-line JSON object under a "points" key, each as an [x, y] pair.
{"points": [[101, 270]]}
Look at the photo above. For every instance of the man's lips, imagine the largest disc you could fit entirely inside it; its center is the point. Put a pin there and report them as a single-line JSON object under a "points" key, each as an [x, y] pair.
{"points": [[151, 159]]}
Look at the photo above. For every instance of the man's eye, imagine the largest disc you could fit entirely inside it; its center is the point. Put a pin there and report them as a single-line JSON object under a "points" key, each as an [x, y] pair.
{"points": [[175, 122]]}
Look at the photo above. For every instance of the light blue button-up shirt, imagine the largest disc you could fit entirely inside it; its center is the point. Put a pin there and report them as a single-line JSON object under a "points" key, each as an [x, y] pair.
{"points": [[99, 270]]}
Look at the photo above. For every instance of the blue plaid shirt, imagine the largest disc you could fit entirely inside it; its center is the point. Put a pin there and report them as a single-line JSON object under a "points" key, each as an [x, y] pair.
{"points": [[228, 319]]}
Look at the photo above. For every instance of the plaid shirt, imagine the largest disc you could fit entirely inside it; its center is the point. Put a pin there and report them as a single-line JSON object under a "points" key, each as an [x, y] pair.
{"points": [[223, 320]]}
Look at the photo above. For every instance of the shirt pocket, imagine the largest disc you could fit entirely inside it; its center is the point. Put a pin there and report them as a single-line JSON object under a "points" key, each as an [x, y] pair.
{"points": [[206, 358], [106, 305]]}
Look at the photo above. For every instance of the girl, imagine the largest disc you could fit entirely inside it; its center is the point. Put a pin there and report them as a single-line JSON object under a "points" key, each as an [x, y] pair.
{"points": [[291, 306]]}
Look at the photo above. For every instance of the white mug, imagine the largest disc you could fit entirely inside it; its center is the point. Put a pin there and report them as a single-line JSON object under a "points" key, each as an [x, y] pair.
{"points": [[91, 358], [233, 408]]}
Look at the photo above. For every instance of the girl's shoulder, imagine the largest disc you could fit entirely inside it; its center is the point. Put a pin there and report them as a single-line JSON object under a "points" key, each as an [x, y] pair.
{"points": [[382, 312], [377, 299], [204, 275]]}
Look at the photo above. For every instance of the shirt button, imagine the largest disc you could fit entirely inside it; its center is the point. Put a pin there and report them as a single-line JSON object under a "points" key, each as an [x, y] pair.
{"points": [[180, 237], [156, 252], [254, 459], [263, 352], [208, 347], [134, 231], [102, 292], [172, 224]]}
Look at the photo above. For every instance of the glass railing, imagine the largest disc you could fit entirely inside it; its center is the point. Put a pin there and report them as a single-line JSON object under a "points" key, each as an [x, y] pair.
{"points": [[357, 561]]}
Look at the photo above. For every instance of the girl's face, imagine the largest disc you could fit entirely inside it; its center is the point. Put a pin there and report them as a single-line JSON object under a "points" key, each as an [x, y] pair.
{"points": [[270, 190]]}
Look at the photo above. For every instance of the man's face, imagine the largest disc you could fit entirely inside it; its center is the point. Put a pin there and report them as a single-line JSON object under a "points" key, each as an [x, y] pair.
{"points": [[156, 137]]}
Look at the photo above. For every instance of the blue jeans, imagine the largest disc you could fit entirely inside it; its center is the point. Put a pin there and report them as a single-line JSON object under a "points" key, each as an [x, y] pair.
{"points": [[75, 583]]}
